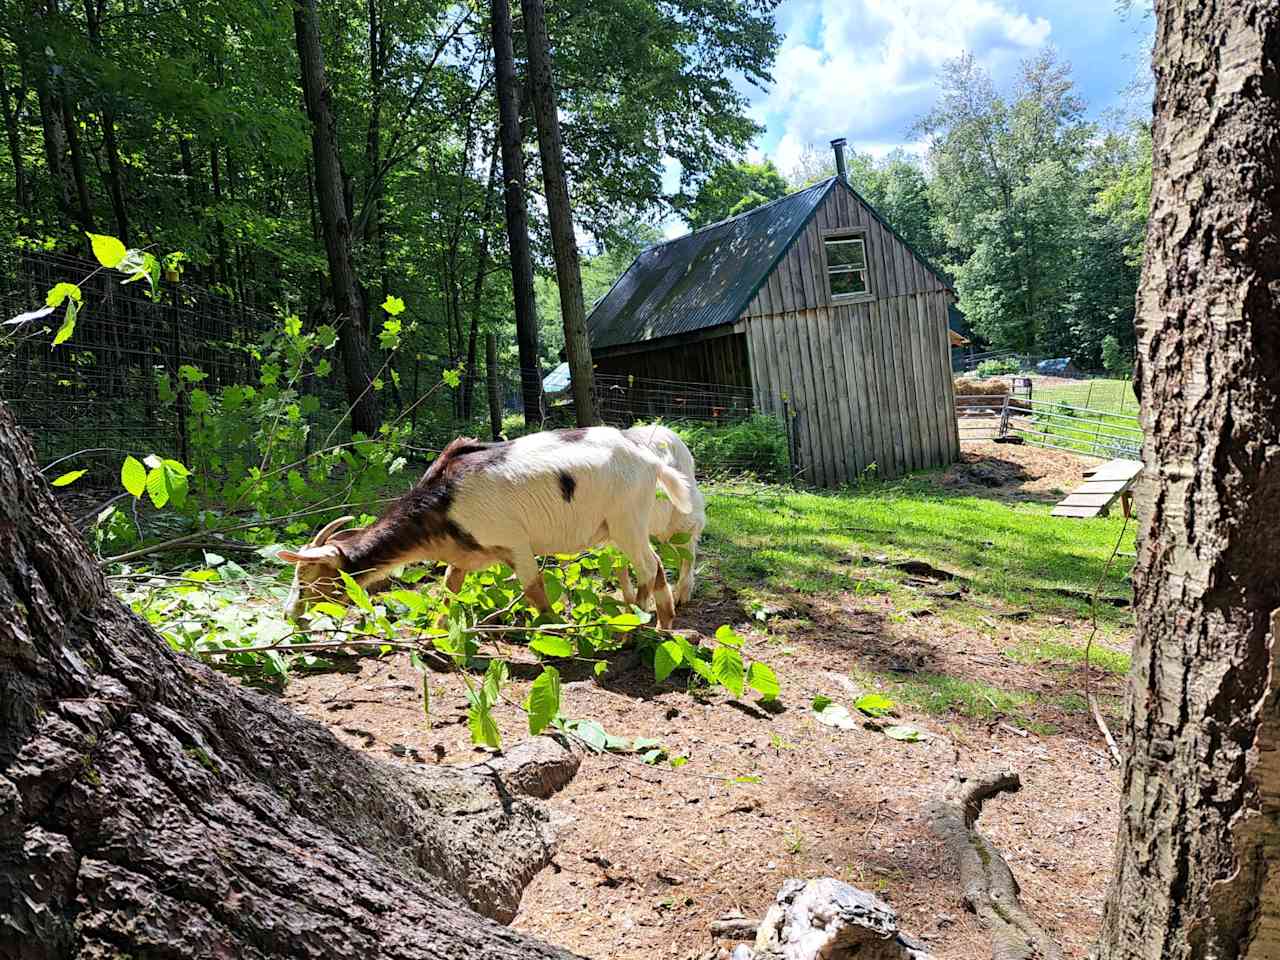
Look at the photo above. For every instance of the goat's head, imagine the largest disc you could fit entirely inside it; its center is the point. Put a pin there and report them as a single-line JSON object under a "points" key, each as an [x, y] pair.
{"points": [[316, 566]]}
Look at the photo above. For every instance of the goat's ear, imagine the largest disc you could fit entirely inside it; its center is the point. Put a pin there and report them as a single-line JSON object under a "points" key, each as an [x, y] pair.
{"points": [[329, 553]]}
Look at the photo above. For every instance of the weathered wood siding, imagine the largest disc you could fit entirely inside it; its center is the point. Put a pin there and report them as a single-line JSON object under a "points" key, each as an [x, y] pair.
{"points": [[720, 359], [865, 382]]}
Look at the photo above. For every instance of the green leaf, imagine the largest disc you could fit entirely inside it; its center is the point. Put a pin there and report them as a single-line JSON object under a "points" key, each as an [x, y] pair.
{"points": [[623, 622], [679, 761], [874, 705], [835, 715], [60, 292], [453, 378], [727, 664], [393, 305], [820, 703], [412, 599], [293, 324], [158, 486], [544, 699], [728, 636], [551, 645], [494, 677], [330, 609], [680, 539], [761, 677], [592, 734], [666, 658], [133, 475], [69, 478], [68, 324], [484, 729], [108, 250], [753, 778], [356, 593], [902, 732], [421, 667]]}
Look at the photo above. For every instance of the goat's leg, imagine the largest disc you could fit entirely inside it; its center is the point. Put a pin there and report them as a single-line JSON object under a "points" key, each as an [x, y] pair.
{"points": [[624, 581], [684, 586], [649, 571], [526, 567]]}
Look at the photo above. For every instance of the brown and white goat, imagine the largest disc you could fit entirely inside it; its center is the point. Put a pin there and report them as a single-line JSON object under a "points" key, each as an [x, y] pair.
{"points": [[666, 519], [482, 503]]}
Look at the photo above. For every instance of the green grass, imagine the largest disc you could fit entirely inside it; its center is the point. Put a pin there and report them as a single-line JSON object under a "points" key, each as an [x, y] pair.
{"points": [[940, 694], [1101, 394], [1009, 554], [1049, 651]]}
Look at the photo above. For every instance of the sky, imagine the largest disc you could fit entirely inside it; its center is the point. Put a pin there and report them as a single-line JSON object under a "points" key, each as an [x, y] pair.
{"points": [[867, 70]]}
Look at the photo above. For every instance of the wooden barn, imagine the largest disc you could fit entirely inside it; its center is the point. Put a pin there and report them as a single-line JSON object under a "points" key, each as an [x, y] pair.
{"points": [[818, 306]]}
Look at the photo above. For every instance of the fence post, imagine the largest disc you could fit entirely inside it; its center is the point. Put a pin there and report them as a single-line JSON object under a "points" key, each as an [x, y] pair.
{"points": [[491, 375], [178, 383], [1004, 418]]}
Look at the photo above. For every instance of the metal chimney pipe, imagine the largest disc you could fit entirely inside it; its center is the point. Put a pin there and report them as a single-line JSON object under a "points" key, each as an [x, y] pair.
{"points": [[841, 171]]}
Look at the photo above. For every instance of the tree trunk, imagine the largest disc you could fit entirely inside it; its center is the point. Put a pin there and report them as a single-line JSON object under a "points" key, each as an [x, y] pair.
{"points": [[564, 244], [55, 137], [335, 222], [491, 374], [152, 808], [517, 212], [106, 114], [13, 134], [477, 288], [1197, 870], [72, 131]]}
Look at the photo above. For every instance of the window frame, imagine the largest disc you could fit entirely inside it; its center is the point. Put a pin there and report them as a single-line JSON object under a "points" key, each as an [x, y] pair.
{"points": [[840, 234]]}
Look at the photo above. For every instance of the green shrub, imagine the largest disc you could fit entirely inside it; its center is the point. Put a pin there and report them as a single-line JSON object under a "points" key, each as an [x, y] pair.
{"points": [[997, 368], [1117, 361], [756, 446]]}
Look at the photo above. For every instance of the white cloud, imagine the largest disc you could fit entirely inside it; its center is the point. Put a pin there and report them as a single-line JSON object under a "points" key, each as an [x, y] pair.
{"points": [[867, 69]]}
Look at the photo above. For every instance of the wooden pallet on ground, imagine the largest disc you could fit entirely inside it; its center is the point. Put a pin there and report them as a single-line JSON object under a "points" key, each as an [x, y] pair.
{"points": [[1103, 486]]}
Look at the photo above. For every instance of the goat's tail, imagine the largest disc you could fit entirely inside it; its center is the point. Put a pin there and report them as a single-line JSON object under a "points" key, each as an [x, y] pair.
{"points": [[677, 487]]}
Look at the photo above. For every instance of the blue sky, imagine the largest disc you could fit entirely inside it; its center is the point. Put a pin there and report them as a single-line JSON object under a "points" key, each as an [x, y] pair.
{"points": [[868, 69]]}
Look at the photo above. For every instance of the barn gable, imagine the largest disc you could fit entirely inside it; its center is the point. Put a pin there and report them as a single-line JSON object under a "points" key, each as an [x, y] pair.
{"points": [[835, 323]]}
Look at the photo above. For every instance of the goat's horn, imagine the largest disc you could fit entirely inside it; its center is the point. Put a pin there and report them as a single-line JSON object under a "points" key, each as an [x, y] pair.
{"points": [[330, 528]]}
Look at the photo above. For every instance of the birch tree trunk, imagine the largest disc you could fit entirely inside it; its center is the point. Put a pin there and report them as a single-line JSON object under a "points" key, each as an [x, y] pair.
{"points": [[564, 243], [335, 223], [151, 808], [517, 212], [1197, 871]]}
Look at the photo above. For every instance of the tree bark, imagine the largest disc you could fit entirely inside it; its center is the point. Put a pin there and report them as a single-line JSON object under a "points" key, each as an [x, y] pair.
{"points": [[151, 808], [564, 243], [517, 212], [491, 374], [335, 223], [1197, 870]]}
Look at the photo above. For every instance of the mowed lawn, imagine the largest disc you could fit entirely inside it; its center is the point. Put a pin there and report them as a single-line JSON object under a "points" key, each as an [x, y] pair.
{"points": [[1012, 553], [1101, 394]]}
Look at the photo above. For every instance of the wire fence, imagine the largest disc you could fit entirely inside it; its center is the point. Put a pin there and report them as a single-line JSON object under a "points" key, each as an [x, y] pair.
{"points": [[1049, 423], [116, 384]]}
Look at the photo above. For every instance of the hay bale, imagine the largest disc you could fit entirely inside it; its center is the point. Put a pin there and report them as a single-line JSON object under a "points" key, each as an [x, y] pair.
{"points": [[981, 388]]}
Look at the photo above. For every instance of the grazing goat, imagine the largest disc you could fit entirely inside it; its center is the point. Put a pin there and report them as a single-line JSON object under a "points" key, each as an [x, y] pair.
{"points": [[482, 503], [666, 519]]}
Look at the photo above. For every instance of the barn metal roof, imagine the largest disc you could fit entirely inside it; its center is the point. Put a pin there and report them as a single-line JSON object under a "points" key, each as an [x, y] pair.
{"points": [[703, 279]]}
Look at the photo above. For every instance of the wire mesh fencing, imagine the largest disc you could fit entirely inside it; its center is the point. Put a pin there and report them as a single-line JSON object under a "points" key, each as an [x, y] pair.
{"points": [[1049, 423]]}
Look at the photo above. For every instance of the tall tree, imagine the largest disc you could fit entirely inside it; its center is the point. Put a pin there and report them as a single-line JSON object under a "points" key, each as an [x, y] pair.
{"points": [[564, 242], [734, 189], [1006, 188], [1197, 865], [335, 222], [517, 211]]}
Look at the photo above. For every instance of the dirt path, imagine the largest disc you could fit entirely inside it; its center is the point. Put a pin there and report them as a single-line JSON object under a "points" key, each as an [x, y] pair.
{"points": [[652, 855]]}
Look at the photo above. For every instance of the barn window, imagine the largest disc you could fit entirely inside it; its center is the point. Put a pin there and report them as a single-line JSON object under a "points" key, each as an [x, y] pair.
{"points": [[846, 266]]}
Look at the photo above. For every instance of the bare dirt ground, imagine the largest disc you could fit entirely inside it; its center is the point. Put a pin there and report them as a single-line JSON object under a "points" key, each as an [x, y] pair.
{"points": [[651, 855]]}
